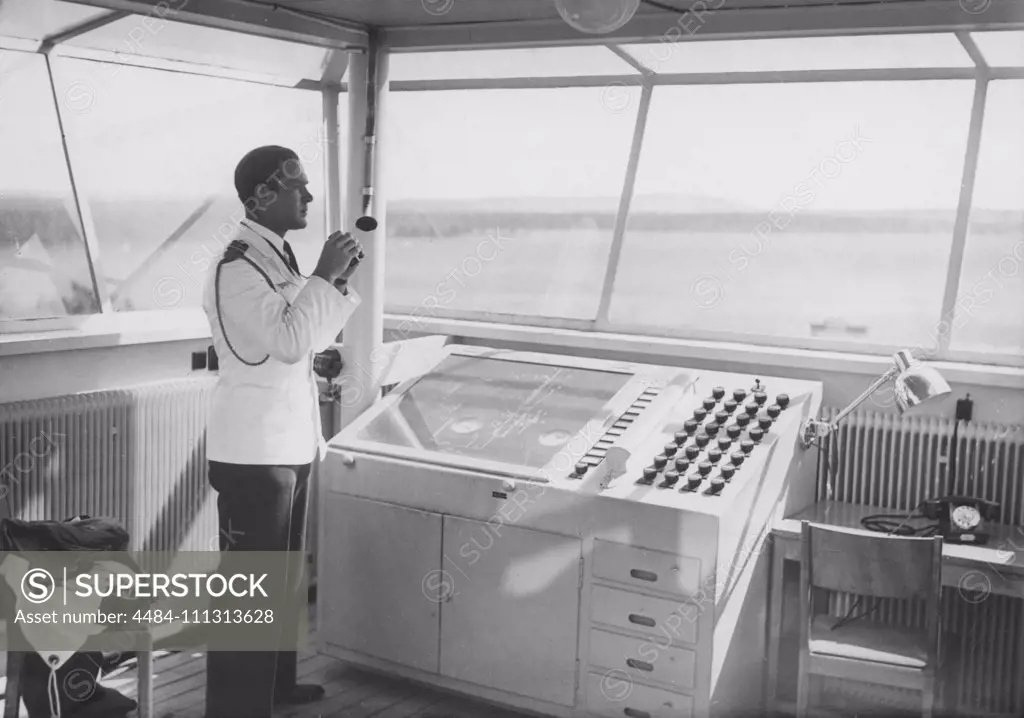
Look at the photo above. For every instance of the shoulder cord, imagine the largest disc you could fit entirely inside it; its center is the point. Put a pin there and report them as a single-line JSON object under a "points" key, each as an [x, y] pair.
{"points": [[236, 250]]}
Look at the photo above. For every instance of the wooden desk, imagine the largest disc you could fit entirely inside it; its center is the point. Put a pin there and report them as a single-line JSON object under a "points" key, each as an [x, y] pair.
{"points": [[997, 567]]}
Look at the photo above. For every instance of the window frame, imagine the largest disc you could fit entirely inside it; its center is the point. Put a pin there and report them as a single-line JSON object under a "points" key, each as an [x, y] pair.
{"points": [[647, 80]]}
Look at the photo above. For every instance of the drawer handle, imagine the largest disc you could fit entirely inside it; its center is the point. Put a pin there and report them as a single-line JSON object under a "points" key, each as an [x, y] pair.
{"points": [[641, 620], [639, 665], [643, 575], [634, 713]]}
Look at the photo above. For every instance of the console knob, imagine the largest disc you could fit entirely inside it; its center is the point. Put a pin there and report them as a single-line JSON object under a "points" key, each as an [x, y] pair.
{"points": [[739, 394], [721, 417], [682, 464], [743, 419], [711, 429], [690, 427], [730, 406], [760, 397], [746, 446], [752, 407], [692, 452], [733, 430], [774, 410], [716, 485], [765, 422], [714, 455], [755, 435], [727, 471], [581, 468], [699, 414], [724, 442], [649, 474], [702, 440], [670, 449], [660, 461], [737, 457], [709, 403], [671, 477], [718, 392], [693, 481], [680, 437], [704, 468], [782, 400]]}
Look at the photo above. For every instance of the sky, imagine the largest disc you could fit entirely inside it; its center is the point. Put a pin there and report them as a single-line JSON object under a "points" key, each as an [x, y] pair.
{"points": [[864, 146]]}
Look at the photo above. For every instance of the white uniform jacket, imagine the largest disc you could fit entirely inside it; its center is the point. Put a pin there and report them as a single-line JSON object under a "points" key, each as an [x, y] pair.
{"points": [[267, 411]]}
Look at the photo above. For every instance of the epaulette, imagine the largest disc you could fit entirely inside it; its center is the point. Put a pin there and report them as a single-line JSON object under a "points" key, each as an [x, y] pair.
{"points": [[235, 250]]}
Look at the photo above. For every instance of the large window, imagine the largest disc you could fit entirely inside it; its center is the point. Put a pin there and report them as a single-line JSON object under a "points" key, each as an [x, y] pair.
{"points": [[504, 201], [798, 211], [989, 311], [156, 153], [44, 268], [796, 191]]}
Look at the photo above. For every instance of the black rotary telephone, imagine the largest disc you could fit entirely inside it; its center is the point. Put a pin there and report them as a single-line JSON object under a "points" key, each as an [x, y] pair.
{"points": [[961, 518]]}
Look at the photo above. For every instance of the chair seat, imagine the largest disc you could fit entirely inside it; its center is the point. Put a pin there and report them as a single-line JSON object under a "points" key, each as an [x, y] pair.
{"points": [[868, 641]]}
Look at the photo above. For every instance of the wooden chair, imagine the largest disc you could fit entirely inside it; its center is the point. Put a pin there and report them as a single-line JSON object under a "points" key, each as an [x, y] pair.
{"points": [[871, 566]]}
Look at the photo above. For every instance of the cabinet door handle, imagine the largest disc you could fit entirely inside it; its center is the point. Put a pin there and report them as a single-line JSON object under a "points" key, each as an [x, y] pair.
{"points": [[641, 575], [639, 665], [634, 713], [641, 620]]}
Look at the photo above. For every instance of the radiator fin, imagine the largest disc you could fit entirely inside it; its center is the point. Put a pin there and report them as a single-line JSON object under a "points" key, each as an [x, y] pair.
{"points": [[136, 454], [897, 462]]}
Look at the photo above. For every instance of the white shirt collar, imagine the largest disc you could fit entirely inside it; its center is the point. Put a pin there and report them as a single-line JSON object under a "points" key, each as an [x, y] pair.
{"points": [[275, 240]]}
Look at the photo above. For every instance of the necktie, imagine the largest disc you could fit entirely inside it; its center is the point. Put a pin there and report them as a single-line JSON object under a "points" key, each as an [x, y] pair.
{"points": [[291, 258]]}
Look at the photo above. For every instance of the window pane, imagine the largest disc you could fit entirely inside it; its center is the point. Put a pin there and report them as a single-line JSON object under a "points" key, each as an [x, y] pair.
{"points": [[504, 200], [1001, 49], [797, 211], [37, 19], [150, 36], [154, 148], [806, 53], [533, 62], [44, 268], [990, 300]]}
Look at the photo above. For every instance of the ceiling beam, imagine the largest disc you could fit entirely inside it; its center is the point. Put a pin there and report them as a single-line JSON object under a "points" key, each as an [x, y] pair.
{"points": [[722, 23], [248, 17], [79, 30]]}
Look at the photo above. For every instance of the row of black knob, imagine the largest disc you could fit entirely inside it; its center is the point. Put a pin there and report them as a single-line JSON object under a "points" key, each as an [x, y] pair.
{"points": [[733, 432]]}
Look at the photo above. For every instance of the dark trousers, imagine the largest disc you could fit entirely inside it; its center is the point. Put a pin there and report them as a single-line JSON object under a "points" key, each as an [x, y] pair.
{"points": [[261, 508]]}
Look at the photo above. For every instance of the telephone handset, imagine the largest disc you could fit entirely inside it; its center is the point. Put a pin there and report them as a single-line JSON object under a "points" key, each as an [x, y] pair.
{"points": [[961, 518]]}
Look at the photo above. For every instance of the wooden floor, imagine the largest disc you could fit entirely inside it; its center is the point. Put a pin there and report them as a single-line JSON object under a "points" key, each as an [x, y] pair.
{"points": [[180, 685]]}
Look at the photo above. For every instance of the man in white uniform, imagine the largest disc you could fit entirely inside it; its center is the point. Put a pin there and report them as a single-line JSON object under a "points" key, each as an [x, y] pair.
{"points": [[268, 322]]}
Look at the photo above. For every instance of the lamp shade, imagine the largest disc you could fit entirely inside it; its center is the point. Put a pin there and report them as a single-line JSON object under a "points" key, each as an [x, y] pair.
{"points": [[916, 383], [597, 17]]}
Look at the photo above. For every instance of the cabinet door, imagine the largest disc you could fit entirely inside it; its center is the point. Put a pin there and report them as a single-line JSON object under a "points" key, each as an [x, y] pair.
{"points": [[510, 614], [377, 590]]}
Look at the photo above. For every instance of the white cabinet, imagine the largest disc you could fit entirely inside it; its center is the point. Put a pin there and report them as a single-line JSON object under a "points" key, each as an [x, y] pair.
{"points": [[377, 592], [509, 619]]}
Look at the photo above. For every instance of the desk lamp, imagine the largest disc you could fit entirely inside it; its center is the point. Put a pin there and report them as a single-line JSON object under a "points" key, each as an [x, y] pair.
{"points": [[915, 383]]}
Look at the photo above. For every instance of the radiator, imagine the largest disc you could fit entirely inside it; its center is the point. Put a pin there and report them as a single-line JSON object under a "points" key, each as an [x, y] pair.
{"points": [[895, 463], [136, 454]]}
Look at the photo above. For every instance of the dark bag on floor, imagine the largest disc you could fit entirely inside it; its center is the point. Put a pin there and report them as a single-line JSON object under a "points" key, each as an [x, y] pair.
{"points": [[74, 687]]}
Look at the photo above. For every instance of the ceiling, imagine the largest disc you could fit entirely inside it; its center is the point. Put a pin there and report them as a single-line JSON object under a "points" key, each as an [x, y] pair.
{"points": [[446, 24]]}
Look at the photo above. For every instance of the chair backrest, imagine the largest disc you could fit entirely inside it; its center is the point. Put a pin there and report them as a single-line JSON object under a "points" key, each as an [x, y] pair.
{"points": [[871, 564]]}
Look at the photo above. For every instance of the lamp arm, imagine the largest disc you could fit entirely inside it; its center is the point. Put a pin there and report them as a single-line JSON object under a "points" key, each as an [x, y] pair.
{"points": [[890, 374], [813, 430]]}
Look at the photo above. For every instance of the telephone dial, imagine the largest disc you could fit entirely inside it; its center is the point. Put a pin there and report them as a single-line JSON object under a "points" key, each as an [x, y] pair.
{"points": [[961, 518]]}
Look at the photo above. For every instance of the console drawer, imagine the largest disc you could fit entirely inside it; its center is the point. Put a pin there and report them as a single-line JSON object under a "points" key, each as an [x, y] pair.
{"points": [[667, 621], [613, 694], [646, 569], [643, 659]]}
